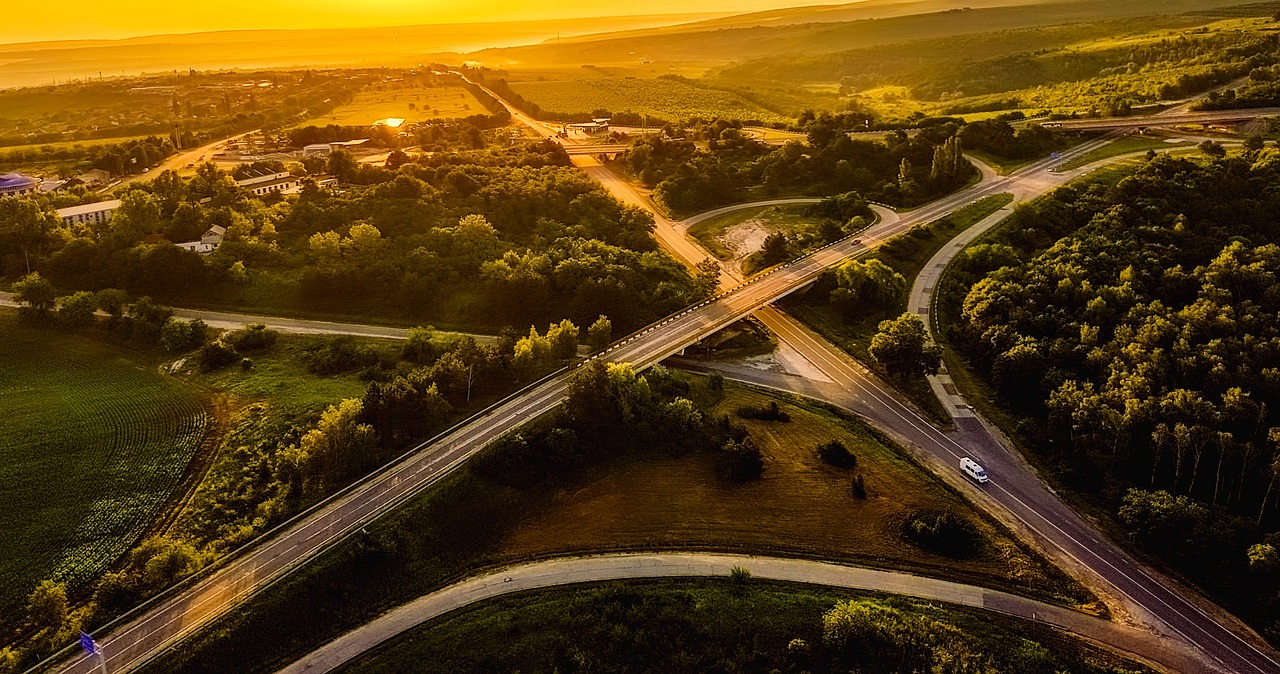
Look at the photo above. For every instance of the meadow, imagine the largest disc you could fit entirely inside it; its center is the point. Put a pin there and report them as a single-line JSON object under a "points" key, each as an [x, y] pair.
{"points": [[413, 103], [585, 90], [94, 444]]}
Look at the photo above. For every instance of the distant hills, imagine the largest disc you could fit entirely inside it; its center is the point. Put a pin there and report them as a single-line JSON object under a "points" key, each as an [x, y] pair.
{"points": [[698, 40]]}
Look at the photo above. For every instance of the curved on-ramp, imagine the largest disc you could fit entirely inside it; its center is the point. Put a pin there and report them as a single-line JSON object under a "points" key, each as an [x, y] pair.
{"points": [[1163, 654]]}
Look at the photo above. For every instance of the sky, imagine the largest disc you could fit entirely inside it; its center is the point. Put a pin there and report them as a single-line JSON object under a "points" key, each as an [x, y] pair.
{"points": [[94, 19]]}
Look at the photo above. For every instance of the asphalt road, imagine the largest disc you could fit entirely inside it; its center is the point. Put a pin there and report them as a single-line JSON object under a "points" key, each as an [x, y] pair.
{"points": [[1114, 123], [176, 614], [573, 570], [173, 615]]}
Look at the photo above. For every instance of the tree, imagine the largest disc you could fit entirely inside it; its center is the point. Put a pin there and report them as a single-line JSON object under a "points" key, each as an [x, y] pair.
{"points": [[77, 309], [35, 293], [776, 249], [563, 338], [419, 347], [861, 282], [175, 335], [342, 165], [1213, 149], [113, 301], [338, 448], [600, 334], [706, 278], [47, 605], [904, 348]]}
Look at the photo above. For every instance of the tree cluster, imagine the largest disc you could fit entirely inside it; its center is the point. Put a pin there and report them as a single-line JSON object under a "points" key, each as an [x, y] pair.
{"points": [[1143, 348]]}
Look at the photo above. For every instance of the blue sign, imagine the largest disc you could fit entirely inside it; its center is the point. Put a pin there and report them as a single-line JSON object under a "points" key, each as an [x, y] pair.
{"points": [[88, 644]]}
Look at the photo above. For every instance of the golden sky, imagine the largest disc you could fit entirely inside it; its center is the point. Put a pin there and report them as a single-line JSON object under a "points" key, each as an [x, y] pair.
{"points": [[80, 19]]}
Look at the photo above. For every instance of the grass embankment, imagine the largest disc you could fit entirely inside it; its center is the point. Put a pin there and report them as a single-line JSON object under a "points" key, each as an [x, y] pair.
{"points": [[699, 626], [907, 254], [1126, 145], [412, 103], [801, 506], [94, 445], [738, 235]]}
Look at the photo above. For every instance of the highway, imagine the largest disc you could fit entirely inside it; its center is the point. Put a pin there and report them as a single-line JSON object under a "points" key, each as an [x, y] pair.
{"points": [[173, 615], [162, 622], [562, 571], [1207, 117], [1017, 495]]}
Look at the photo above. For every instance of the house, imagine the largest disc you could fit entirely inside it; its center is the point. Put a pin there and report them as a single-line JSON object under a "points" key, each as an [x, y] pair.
{"points": [[95, 214], [208, 242], [15, 184], [284, 183]]}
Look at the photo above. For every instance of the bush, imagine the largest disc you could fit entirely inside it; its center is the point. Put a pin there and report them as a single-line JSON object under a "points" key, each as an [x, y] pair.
{"points": [[766, 412], [942, 532], [836, 454], [215, 355], [246, 364], [857, 488], [741, 461], [252, 337], [338, 354]]}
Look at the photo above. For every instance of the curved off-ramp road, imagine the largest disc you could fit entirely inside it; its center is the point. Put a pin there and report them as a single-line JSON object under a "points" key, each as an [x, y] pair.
{"points": [[1163, 654]]}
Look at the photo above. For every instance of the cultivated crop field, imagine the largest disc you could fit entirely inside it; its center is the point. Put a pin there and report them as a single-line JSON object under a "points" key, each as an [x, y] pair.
{"points": [[383, 101], [92, 447], [671, 100]]}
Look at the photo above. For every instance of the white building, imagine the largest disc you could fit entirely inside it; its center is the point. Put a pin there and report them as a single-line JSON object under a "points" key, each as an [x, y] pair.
{"points": [[95, 214], [284, 183], [208, 243], [16, 184]]}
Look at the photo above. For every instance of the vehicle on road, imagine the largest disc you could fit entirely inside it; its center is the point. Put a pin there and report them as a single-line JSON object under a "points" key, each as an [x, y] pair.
{"points": [[975, 472]]}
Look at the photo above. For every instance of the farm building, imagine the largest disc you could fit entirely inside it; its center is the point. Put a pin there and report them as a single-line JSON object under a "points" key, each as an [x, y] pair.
{"points": [[208, 243], [94, 177], [326, 148], [89, 213], [14, 184], [284, 183], [596, 127]]}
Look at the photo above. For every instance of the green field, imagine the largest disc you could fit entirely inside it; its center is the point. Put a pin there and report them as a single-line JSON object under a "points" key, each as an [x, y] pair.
{"points": [[693, 625], [94, 443], [585, 90], [384, 101]]}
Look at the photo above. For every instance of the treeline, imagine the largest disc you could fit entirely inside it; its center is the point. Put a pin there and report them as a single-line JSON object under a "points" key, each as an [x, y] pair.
{"points": [[1135, 331], [901, 170], [510, 235]]}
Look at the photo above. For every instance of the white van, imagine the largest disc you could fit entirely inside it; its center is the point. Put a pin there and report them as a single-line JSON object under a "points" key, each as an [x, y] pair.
{"points": [[973, 470]]}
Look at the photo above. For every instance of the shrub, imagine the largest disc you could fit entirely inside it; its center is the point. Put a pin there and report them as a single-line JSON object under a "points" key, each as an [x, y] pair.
{"points": [[739, 575], [836, 454], [767, 412], [857, 488], [252, 337], [215, 355], [942, 532], [338, 354], [246, 364], [741, 461]]}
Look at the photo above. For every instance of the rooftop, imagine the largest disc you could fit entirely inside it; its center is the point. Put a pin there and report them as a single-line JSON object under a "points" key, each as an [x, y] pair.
{"points": [[11, 180], [71, 211]]}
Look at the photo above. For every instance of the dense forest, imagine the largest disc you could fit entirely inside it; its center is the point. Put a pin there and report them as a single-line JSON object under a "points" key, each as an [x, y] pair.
{"points": [[1136, 331], [901, 170], [489, 237]]}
